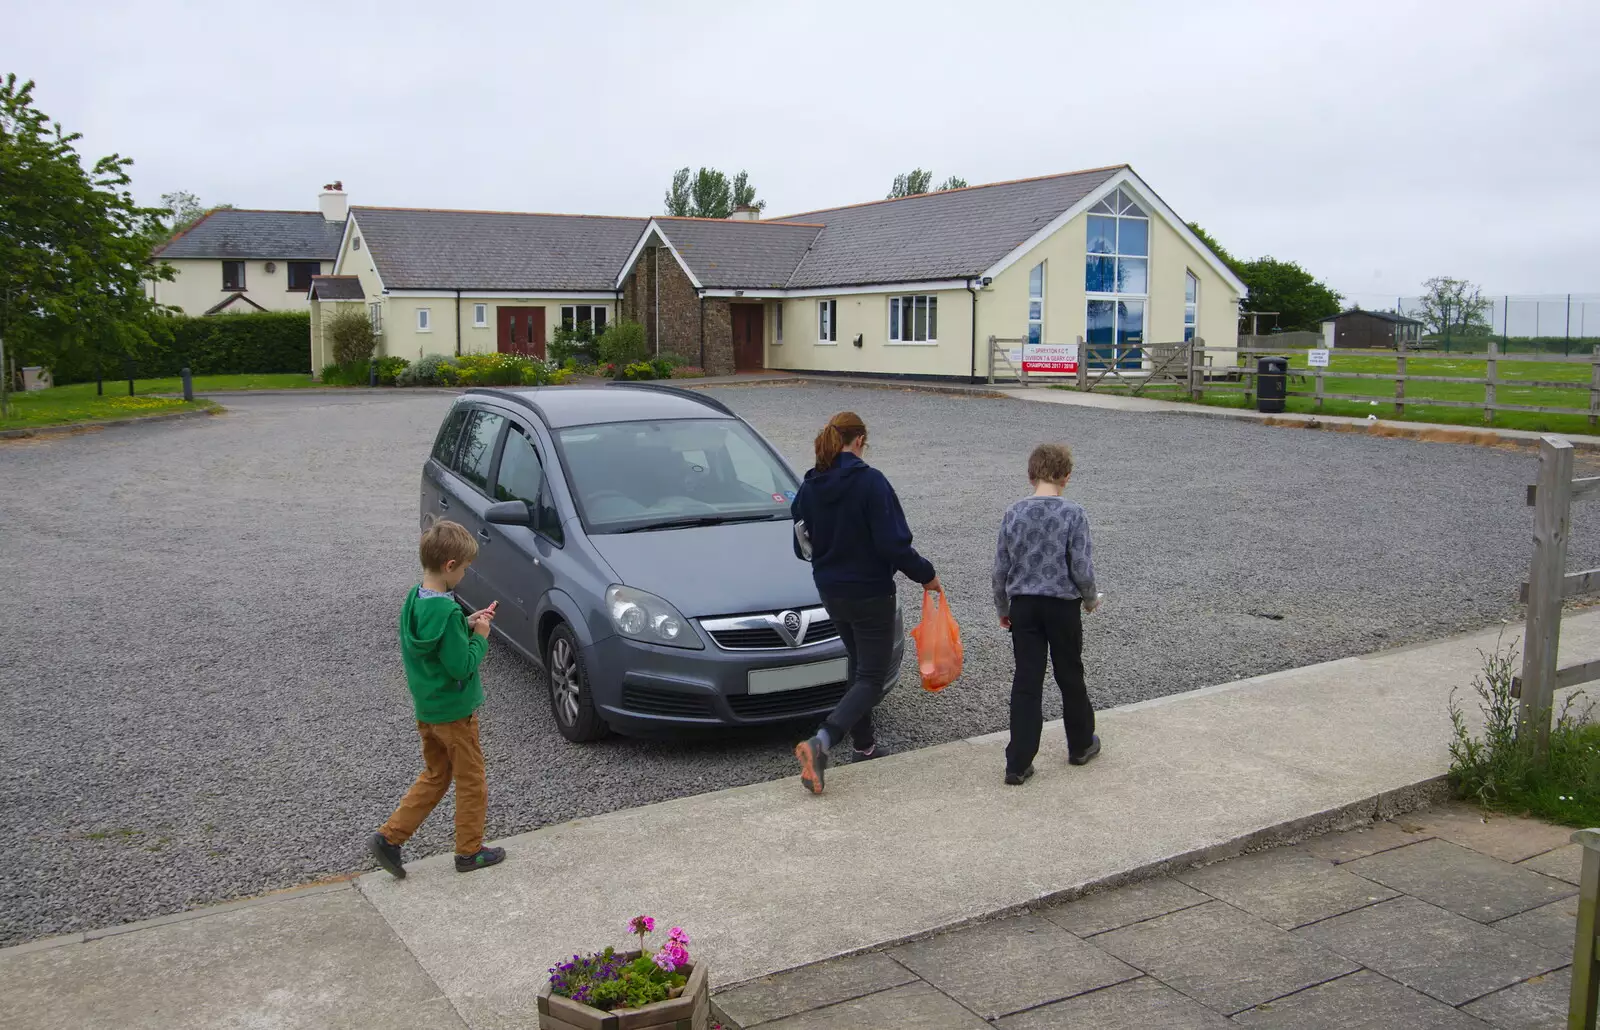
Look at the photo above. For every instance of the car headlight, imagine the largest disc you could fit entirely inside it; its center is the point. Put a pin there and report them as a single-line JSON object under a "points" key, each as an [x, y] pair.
{"points": [[641, 616]]}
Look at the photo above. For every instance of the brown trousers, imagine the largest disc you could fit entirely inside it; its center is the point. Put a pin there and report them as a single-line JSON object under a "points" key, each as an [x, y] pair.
{"points": [[449, 751]]}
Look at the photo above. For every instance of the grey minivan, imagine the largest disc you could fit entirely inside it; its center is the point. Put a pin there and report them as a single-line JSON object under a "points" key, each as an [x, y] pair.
{"points": [[639, 541]]}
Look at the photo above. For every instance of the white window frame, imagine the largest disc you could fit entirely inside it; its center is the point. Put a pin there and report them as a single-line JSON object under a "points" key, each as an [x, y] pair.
{"points": [[929, 302], [828, 323], [569, 312], [424, 320], [480, 316], [777, 324], [375, 315], [1043, 286], [1114, 201], [1191, 308]]}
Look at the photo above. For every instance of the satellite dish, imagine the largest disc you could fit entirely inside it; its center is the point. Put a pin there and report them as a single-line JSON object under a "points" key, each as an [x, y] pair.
{"points": [[272, 266]]}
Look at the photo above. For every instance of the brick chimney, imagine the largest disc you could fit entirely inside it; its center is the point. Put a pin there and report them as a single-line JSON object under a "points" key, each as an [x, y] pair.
{"points": [[333, 203], [745, 213]]}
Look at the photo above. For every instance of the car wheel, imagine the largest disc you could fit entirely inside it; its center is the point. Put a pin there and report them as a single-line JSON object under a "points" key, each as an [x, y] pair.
{"points": [[571, 701]]}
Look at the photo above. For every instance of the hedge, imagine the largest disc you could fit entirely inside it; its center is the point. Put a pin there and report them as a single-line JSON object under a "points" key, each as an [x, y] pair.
{"points": [[260, 342]]}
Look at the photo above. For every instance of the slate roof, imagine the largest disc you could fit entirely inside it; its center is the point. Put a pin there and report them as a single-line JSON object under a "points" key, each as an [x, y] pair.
{"points": [[235, 233], [947, 235], [1385, 316], [421, 249], [337, 287], [733, 254]]}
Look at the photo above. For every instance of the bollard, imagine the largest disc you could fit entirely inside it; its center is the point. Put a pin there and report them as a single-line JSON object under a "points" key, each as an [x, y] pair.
{"points": [[372, 372], [188, 385], [1585, 1008]]}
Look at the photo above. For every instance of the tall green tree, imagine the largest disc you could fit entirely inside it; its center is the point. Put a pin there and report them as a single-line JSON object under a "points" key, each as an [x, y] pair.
{"points": [[1299, 298], [74, 246], [709, 193], [184, 209], [920, 180], [1453, 307]]}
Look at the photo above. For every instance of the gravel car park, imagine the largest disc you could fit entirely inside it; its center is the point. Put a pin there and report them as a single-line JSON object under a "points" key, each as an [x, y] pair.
{"points": [[204, 697]]}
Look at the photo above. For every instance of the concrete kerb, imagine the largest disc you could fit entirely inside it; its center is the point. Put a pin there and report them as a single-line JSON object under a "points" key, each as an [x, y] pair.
{"points": [[89, 427]]}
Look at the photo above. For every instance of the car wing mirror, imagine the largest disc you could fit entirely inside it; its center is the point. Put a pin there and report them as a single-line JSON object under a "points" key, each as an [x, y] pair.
{"points": [[511, 513]]}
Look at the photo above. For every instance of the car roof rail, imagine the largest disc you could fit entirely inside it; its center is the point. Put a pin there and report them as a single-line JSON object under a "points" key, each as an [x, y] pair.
{"points": [[677, 391], [513, 397]]}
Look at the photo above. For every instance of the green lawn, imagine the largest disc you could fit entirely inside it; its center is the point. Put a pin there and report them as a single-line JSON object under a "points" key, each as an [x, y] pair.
{"points": [[210, 384], [67, 404], [1382, 392]]}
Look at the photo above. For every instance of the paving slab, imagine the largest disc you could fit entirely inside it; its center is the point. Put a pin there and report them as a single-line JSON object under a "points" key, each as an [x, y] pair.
{"points": [[325, 960], [1142, 1004], [1439, 953], [1361, 1001], [1553, 926], [812, 987], [913, 1007], [1509, 838], [1007, 965], [1286, 887], [1223, 958], [1541, 1003], [1123, 906], [1462, 881], [1564, 863], [1349, 845]]}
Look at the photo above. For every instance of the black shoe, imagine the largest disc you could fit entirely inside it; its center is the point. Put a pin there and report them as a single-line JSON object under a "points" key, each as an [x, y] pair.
{"points": [[387, 855], [1018, 779], [485, 858], [1088, 753], [813, 762], [875, 751]]}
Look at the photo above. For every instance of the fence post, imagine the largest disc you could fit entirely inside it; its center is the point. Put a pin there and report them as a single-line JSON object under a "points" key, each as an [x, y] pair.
{"points": [[1400, 377], [1594, 386], [991, 360], [1317, 375], [1083, 364], [1584, 1009], [1541, 640], [1196, 373], [1490, 380]]}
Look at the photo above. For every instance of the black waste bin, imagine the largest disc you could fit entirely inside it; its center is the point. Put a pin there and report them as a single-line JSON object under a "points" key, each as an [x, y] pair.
{"points": [[1272, 384]]}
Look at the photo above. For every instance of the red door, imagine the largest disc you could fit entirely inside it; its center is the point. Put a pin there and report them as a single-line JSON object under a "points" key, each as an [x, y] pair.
{"points": [[749, 354], [522, 332]]}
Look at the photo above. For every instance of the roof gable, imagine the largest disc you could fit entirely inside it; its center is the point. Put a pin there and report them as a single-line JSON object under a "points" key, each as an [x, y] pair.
{"points": [[730, 254], [237, 234]]}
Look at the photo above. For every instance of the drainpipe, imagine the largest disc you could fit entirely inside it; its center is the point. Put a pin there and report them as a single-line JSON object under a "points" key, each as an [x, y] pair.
{"points": [[458, 323], [974, 330], [702, 328], [655, 284]]}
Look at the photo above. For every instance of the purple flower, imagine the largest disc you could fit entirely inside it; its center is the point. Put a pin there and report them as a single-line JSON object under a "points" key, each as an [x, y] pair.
{"points": [[664, 961]]}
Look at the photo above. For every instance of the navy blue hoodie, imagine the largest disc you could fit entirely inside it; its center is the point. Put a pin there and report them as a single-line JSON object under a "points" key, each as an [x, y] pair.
{"points": [[859, 536]]}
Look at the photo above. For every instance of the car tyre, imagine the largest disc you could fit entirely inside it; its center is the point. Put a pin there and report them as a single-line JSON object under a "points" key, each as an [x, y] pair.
{"points": [[571, 700]]}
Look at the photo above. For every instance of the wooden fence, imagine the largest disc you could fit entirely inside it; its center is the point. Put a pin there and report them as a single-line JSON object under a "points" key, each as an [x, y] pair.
{"points": [[1135, 366]]}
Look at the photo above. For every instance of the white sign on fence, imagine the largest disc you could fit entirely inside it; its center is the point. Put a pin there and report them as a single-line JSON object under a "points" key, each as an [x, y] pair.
{"points": [[1050, 358], [1317, 358]]}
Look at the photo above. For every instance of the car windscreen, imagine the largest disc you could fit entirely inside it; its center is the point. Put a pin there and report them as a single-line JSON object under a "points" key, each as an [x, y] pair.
{"points": [[640, 476]]}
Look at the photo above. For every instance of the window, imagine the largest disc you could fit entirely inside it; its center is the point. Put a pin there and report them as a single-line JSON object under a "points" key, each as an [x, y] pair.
{"points": [[1117, 266], [480, 315], [477, 448], [424, 320], [444, 448], [300, 273], [1036, 304], [913, 319], [828, 321], [575, 316], [1191, 306], [233, 275], [521, 478], [777, 322], [375, 313]]}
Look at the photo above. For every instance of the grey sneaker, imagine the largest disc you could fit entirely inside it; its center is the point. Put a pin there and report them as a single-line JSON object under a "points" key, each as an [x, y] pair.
{"points": [[875, 751], [387, 855], [1083, 757], [1018, 779], [485, 858], [813, 763]]}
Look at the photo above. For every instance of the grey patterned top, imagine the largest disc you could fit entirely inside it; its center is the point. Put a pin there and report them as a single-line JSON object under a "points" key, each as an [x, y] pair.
{"points": [[1043, 551]]}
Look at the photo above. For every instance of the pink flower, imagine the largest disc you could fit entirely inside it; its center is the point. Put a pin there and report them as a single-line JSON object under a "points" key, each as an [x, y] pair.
{"points": [[641, 925], [676, 953], [677, 934]]}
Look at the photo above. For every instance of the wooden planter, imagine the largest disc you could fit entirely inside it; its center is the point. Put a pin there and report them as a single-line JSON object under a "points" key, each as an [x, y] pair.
{"points": [[689, 1011]]}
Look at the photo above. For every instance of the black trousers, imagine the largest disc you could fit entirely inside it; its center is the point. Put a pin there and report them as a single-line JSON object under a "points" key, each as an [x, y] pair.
{"points": [[1047, 627], [866, 627]]}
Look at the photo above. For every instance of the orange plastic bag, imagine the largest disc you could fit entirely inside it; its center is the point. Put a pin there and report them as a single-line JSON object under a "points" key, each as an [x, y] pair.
{"points": [[938, 643]]}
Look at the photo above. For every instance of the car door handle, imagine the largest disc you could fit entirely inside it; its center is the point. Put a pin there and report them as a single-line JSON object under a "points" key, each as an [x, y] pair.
{"points": [[483, 534], [444, 502]]}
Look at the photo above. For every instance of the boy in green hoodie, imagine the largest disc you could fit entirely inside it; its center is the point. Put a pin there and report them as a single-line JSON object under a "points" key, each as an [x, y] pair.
{"points": [[442, 650]]}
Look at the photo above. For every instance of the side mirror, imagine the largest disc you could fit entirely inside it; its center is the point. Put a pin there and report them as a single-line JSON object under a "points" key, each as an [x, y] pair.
{"points": [[511, 513]]}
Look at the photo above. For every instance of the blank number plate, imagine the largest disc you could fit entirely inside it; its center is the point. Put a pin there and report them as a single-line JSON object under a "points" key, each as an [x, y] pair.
{"points": [[798, 677]]}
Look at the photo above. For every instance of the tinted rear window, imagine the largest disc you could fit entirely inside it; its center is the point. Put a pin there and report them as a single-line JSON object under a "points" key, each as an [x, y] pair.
{"points": [[444, 448]]}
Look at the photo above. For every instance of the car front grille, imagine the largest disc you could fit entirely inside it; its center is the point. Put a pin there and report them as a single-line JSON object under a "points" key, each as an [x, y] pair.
{"points": [[654, 701], [809, 701], [762, 632]]}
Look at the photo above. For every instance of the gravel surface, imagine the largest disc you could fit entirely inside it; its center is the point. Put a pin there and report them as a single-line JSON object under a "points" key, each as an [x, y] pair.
{"points": [[203, 696]]}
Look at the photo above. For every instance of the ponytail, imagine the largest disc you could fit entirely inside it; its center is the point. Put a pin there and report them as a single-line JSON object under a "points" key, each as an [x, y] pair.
{"points": [[841, 431]]}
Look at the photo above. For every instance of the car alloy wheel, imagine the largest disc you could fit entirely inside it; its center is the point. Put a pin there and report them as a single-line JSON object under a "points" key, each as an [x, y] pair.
{"points": [[570, 700]]}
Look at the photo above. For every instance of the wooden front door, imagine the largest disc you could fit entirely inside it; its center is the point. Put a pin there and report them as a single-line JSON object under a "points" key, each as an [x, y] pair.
{"points": [[749, 354], [522, 332]]}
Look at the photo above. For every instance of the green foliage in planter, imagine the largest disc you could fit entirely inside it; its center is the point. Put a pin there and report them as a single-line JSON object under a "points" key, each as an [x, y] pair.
{"points": [[623, 343], [501, 370]]}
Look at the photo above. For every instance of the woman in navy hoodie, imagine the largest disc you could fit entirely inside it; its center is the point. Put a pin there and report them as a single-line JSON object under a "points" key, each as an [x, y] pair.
{"points": [[850, 527]]}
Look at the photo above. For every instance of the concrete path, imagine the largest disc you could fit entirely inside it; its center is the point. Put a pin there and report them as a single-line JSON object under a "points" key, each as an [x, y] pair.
{"points": [[769, 878], [1439, 918]]}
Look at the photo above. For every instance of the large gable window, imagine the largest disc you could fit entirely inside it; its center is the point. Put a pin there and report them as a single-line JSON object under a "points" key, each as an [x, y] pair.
{"points": [[584, 316], [914, 319], [1117, 280]]}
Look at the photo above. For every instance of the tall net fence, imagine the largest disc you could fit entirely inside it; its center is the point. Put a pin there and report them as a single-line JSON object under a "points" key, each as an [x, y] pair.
{"points": [[1558, 322]]}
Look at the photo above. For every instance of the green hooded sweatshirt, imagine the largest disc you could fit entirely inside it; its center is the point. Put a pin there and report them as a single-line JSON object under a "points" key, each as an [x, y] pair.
{"points": [[441, 657]]}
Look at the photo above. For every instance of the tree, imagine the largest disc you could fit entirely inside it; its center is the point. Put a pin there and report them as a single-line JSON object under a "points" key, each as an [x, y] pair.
{"points": [[1300, 300], [709, 193], [1452, 307], [74, 246], [919, 180], [350, 331], [1216, 248], [184, 209]]}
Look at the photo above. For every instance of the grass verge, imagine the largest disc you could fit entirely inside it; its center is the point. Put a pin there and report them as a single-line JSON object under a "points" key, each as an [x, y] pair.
{"points": [[48, 408], [1499, 771]]}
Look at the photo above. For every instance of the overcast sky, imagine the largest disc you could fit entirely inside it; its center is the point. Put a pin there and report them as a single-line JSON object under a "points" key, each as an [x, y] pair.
{"points": [[1377, 143]]}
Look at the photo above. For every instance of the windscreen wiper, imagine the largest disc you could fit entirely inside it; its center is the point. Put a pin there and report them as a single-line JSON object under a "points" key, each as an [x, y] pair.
{"points": [[690, 521]]}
